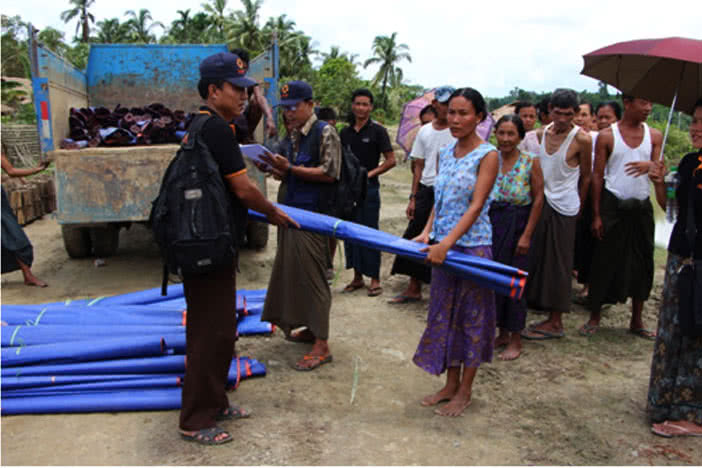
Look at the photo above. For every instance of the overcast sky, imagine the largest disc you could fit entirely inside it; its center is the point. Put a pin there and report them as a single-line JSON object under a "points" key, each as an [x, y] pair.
{"points": [[491, 45]]}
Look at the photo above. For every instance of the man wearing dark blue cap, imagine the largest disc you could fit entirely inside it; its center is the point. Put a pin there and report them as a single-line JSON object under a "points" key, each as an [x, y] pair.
{"points": [[298, 292], [211, 298], [425, 158]]}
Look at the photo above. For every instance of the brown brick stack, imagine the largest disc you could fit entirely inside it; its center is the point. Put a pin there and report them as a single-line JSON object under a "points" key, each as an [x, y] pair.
{"points": [[31, 199]]}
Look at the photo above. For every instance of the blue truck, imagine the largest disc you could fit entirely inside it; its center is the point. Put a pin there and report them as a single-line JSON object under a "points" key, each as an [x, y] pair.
{"points": [[100, 190]]}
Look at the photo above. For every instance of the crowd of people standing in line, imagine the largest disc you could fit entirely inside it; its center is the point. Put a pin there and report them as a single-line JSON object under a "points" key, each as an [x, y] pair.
{"points": [[571, 194]]}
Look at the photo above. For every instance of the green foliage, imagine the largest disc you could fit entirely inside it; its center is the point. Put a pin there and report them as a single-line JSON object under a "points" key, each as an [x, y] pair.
{"points": [[25, 115], [80, 11], [334, 83], [111, 31], [141, 25], [53, 40], [678, 143], [387, 52], [78, 55], [12, 94], [15, 60]]}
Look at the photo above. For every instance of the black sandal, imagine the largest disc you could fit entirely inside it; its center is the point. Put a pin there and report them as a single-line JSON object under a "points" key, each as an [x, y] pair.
{"points": [[208, 436], [231, 413]]}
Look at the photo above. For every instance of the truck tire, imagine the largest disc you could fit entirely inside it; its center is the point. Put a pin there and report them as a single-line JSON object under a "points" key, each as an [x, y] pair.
{"points": [[105, 240], [76, 240], [256, 235]]}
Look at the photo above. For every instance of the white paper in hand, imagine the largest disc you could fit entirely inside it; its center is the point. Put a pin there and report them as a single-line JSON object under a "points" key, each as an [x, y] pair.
{"points": [[254, 152]]}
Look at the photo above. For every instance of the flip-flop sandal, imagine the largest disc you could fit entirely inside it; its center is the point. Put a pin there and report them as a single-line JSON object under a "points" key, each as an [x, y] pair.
{"points": [[402, 299], [535, 334], [376, 291], [588, 330], [643, 333], [319, 361], [208, 436], [680, 431], [231, 413], [352, 287]]}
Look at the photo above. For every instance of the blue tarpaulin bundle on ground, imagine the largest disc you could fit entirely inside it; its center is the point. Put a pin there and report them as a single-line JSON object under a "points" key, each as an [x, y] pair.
{"points": [[503, 279], [120, 353]]}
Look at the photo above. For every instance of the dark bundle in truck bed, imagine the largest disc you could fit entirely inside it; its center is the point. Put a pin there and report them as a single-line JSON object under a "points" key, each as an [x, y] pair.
{"points": [[98, 126]]}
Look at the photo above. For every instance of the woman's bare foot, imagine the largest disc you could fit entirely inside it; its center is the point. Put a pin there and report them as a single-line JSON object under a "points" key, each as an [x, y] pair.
{"points": [[502, 339], [456, 406], [514, 348], [445, 394], [34, 281]]}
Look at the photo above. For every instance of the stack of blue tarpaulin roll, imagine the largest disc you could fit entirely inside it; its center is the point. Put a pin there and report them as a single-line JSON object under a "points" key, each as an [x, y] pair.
{"points": [[119, 353]]}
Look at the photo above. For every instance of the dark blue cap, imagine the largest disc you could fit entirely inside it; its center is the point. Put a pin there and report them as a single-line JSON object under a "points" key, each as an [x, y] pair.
{"points": [[294, 92], [226, 66]]}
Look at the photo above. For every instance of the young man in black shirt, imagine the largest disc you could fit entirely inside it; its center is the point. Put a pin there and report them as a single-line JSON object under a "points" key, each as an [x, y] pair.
{"points": [[211, 298], [368, 140]]}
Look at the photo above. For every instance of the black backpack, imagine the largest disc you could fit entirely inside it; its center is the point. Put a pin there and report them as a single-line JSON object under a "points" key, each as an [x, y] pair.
{"points": [[193, 218], [343, 198]]}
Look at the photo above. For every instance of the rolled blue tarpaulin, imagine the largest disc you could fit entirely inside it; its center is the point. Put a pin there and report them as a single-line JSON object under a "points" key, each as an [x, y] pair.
{"points": [[150, 365], [125, 400], [39, 381], [51, 400], [252, 325], [109, 385], [243, 368], [83, 351], [82, 315], [25, 335], [504, 279]]}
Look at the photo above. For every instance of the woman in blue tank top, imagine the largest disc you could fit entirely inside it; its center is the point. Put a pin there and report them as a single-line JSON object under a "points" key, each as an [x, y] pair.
{"points": [[461, 320]]}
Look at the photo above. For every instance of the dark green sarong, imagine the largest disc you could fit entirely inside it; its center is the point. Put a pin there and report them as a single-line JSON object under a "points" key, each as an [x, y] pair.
{"points": [[622, 264]]}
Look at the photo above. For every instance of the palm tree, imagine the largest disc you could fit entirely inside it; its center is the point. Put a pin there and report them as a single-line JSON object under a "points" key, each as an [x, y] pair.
{"points": [[141, 24], [110, 31], [181, 29], [215, 11], [335, 52], [388, 53], [53, 40], [243, 28], [80, 10]]}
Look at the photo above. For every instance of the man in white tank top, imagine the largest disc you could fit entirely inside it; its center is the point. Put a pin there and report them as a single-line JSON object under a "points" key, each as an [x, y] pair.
{"points": [[622, 215], [565, 153]]}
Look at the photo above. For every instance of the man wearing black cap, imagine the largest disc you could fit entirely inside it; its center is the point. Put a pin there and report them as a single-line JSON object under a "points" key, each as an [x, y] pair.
{"points": [[298, 292], [211, 298]]}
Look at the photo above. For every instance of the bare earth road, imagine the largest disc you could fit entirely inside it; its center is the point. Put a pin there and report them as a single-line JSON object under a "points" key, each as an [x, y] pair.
{"points": [[574, 401]]}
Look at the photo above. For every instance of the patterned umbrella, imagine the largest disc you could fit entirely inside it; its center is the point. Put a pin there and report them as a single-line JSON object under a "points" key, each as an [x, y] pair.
{"points": [[409, 122]]}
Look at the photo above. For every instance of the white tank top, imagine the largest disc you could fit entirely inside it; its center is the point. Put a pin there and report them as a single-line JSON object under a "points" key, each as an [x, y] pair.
{"points": [[560, 180], [624, 186]]}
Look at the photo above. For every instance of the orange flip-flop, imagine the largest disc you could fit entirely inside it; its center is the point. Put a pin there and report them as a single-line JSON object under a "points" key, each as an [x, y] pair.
{"points": [[319, 361]]}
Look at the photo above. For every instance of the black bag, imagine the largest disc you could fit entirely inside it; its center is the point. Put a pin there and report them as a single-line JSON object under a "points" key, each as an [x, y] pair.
{"points": [[192, 218], [343, 198], [690, 280]]}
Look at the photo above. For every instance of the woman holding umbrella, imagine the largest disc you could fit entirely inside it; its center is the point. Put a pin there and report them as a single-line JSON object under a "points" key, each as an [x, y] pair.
{"points": [[675, 388], [461, 321]]}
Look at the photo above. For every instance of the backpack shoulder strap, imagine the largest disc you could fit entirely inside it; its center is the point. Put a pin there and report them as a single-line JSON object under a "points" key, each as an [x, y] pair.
{"points": [[317, 137]]}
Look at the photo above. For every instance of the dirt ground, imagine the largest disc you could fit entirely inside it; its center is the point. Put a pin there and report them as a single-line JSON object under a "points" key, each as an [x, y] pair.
{"points": [[575, 401]]}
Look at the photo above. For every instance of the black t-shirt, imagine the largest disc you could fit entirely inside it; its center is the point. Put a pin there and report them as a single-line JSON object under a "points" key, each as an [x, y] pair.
{"points": [[220, 138], [688, 174], [368, 143]]}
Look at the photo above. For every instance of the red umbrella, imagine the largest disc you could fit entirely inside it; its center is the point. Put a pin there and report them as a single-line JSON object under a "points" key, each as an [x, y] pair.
{"points": [[660, 70]]}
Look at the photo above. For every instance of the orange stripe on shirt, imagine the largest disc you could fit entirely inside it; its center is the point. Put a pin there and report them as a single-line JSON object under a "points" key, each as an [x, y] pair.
{"points": [[234, 174]]}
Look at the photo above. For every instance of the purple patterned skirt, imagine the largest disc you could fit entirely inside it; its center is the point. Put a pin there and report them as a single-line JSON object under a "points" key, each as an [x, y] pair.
{"points": [[461, 321]]}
